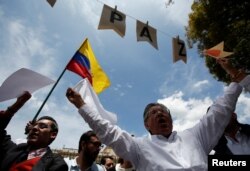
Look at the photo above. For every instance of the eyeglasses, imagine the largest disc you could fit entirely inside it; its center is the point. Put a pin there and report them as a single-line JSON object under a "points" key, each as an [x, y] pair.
{"points": [[159, 110], [41, 125], [96, 144]]}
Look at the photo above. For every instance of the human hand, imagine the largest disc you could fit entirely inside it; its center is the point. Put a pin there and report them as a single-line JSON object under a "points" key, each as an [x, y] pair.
{"points": [[21, 100], [226, 65], [74, 97], [24, 97], [29, 126], [2, 114], [235, 74]]}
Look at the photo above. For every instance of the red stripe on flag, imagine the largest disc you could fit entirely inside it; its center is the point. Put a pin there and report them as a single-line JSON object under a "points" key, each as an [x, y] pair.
{"points": [[79, 69]]}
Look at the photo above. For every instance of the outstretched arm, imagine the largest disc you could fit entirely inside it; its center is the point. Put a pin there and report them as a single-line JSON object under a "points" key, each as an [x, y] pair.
{"points": [[212, 126], [111, 135], [6, 115]]}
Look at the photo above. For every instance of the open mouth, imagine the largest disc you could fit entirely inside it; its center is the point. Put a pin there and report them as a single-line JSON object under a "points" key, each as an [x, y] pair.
{"points": [[161, 120], [163, 123], [33, 135]]}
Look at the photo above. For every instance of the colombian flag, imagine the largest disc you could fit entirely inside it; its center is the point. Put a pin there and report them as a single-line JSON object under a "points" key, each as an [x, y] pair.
{"points": [[85, 64]]}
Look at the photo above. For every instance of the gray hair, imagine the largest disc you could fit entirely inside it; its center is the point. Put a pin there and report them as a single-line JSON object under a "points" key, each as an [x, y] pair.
{"points": [[146, 110]]}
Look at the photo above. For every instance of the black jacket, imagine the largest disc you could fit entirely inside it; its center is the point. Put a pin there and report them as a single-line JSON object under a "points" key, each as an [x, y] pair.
{"points": [[11, 152], [48, 162]]}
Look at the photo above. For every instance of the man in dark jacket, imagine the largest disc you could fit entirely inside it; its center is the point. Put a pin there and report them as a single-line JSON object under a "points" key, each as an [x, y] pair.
{"points": [[235, 140], [35, 155]]}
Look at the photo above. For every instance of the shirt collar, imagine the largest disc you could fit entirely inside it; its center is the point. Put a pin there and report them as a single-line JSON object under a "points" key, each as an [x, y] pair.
{"points": [[161, 137], [37, 153], [73, 162]]}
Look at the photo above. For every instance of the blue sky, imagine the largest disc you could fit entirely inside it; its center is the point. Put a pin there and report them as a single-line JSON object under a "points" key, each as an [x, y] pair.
{"points": [[36, 36]]}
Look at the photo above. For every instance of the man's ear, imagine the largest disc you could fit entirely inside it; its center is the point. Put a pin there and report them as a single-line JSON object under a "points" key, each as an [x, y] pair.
{"points": [[53, 135], [83, 144]]}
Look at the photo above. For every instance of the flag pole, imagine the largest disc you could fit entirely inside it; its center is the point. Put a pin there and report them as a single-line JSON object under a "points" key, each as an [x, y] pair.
{"points": [[35, 117], [39, 110], [37, 113]]}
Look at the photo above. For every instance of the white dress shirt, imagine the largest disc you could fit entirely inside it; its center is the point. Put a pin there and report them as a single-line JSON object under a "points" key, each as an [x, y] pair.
{"points": [[241, 146], [186, 150]]}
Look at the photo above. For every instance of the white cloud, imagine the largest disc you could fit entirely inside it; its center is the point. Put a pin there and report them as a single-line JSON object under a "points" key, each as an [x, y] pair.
{"points": [[185, 113], [24, 46], [243, 108], [177, 12], [185, 78], [89, 10], [129, 85], [200, 84], [122, 94]]}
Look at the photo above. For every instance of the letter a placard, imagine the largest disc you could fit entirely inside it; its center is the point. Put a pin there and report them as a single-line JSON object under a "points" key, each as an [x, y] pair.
{"points": [[146, 33], [112, 19]]}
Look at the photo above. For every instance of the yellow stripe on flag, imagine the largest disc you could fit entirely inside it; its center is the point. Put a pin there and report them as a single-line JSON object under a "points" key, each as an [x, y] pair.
{"points": [[100, 80]]}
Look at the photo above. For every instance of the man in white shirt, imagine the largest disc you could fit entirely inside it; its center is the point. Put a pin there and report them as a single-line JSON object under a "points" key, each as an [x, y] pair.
{"points": [[164, 149]]}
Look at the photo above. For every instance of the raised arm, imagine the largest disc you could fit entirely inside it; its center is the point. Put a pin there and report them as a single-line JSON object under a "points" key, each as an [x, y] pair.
{"points": [[6, 115], [111, 135], [212, 125]]}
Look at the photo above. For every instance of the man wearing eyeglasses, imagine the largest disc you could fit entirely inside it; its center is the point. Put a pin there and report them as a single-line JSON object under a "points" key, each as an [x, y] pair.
{"points": [[165, 149], [88, 150], [35, 155]]}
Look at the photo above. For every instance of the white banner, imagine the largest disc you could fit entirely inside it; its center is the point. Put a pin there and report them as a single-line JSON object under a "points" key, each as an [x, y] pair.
{"points": [[85, 89]]}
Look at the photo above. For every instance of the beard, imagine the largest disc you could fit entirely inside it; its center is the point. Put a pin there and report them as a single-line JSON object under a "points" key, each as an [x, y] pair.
{"points": [[90, 157]]}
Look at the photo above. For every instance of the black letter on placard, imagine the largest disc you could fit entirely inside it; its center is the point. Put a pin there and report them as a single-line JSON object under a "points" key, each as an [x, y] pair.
{"points": [[145, 32], [181, 53], [115, 16]]}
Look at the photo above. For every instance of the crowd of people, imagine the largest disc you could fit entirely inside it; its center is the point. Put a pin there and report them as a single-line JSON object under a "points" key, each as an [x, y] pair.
{"points": [[162, 149]]}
